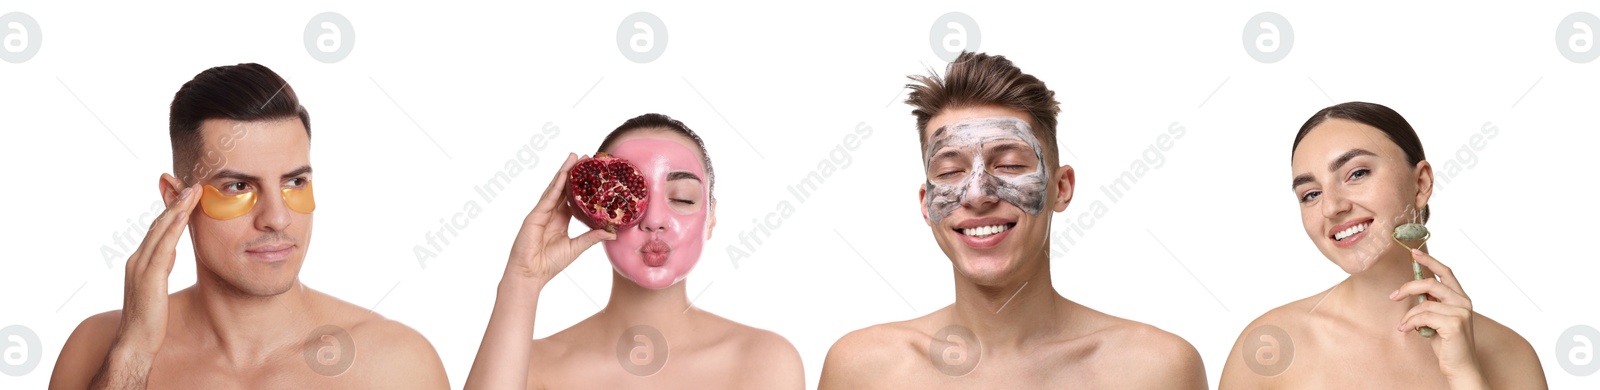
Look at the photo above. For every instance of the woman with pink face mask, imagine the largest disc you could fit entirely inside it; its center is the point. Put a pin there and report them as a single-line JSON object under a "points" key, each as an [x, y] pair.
{"points": [[1358, 173], [648, 335]]}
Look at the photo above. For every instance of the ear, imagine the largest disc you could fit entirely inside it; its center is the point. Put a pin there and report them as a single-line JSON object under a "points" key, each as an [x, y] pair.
{"points": [[1066, 181], [169, 187], [711, 219], [1424, 172], [922, 201]]}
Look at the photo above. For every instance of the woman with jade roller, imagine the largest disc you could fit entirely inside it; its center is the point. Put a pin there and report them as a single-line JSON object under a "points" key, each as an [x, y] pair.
{"points": [[1401, 319]]}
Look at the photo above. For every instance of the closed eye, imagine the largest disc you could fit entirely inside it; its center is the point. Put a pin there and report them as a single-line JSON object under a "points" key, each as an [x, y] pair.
{"points": [[1012, 168]]}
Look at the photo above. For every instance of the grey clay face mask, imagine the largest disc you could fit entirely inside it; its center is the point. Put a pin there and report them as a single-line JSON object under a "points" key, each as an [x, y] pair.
{"points": [[967, 144]]}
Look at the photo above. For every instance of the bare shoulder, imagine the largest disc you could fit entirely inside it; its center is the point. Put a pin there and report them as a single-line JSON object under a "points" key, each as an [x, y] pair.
{"points": [[767, 359], [85, 351], [1287, 321], [863, 357], [1508, 361], [1145, 356], [393, 353]]}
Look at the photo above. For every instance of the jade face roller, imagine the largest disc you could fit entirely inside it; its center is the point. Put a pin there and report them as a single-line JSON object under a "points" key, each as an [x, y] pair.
{"points": [[1415, 232]]}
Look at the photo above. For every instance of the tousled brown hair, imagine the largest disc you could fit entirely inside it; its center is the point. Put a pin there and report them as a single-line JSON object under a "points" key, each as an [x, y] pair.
{"points": [[979, 79]]}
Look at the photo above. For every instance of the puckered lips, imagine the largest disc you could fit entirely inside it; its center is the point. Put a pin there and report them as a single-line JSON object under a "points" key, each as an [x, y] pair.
{"points": [[655, 253]]}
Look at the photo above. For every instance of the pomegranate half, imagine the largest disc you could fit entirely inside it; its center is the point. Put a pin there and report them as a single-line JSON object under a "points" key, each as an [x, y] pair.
{"points": [[606, 192]]}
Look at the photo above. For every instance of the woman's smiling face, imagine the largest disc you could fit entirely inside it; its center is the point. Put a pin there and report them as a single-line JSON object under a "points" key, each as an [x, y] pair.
{"points": [[666, 244], [1354, 185]]}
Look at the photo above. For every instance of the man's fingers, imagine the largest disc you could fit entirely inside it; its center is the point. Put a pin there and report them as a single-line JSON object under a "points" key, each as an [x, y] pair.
{"points": [[553, 194], [166, 248], [158, 227]]}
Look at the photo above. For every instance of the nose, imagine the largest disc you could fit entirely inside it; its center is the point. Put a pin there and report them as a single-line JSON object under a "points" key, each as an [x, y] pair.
{"points": [[979, 190], [655, 216], [1334, 202], [271, 213]]}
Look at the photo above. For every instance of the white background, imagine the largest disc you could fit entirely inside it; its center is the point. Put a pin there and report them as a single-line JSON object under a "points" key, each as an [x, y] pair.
{"points": [[773, 90]]}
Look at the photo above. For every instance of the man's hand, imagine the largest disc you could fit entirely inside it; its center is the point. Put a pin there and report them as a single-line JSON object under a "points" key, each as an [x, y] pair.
{"points": [[144, 303]]}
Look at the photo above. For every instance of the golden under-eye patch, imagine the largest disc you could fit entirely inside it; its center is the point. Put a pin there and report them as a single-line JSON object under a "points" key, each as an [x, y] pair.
{"points": [[300, 200], [224, 207]]}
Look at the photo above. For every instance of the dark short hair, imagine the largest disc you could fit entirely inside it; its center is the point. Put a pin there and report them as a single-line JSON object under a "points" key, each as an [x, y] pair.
{"points": [[979, 79], [653, 121], [1383, 118], [243, 92]]}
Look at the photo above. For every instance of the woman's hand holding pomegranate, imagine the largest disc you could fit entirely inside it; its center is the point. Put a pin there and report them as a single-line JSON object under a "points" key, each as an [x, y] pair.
{"points": [[543, 247]]}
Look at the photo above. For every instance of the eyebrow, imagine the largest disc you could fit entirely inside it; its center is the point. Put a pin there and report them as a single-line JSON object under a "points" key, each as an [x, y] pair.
{"points": [[1347, 156], [232, 174], [1018, 145], [1302, 179], [1335, 165], [678, 175], [302, 170], [945, 153]]}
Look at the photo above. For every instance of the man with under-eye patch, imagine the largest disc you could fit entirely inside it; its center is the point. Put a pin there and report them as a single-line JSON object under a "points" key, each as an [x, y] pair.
{"points": [[241, 148], [992, 183]]}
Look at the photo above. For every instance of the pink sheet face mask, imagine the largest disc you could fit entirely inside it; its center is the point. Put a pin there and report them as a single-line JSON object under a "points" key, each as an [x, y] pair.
{"points": [[959, 165], [666, 244]]}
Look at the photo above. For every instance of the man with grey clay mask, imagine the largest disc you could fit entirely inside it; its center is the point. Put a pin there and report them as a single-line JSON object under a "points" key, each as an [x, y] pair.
{"points": [[968, 139], [992, 184]]}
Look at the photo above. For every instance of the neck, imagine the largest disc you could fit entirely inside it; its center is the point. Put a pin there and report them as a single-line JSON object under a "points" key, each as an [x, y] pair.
{"points": [[246, 328], [1365, 295], [1010, 313], [666, 309]]}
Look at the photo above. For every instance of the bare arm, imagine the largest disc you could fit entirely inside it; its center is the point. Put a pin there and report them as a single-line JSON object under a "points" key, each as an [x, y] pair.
{"points": [[1509, 361], [84, 352], [124, 361], [541, 251]]}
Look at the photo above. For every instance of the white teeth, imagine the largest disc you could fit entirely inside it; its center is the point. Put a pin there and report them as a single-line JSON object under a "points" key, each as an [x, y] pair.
{"points": [[1340, 236], [985, 231]]}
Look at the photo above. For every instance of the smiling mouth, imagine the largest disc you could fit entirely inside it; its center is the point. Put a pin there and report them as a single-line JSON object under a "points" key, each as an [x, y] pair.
{"points": [[985, 231], [1351, 231]]}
